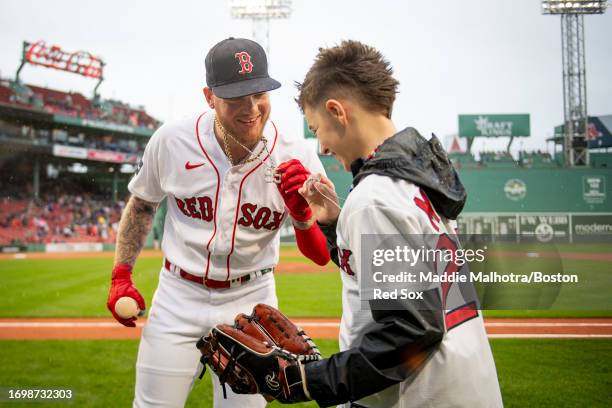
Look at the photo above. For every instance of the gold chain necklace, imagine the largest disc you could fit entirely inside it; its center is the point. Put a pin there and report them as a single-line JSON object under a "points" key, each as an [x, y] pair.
{"points": [[228, 151]]}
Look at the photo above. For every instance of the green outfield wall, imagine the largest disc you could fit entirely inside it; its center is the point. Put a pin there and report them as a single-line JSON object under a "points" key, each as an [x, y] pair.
{"points": [[519, 190], [538, 190]]}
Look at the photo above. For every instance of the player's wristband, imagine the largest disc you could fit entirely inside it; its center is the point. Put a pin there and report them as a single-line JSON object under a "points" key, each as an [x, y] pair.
{"points": [[312, 244], [303, 216], [304, 383], [122, 271], [303, 225]]}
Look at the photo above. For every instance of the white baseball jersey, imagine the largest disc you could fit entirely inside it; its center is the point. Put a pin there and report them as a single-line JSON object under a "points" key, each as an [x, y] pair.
{"points": [[223, 221], [461, 372]]}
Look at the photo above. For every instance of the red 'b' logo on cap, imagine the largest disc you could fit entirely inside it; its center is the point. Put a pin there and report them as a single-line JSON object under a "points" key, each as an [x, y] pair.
{"points": [[245, 62]]}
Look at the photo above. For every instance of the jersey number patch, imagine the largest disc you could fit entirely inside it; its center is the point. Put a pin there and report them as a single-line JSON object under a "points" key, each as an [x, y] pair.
{"points": [[465, 312], [425, 205]]}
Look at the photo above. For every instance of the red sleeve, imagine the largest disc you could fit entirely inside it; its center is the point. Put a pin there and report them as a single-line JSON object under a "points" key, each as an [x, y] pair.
{"points": [[312, 244]]}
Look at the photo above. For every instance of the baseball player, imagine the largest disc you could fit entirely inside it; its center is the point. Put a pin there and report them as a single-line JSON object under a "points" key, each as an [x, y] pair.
{"points": [[424, 353], [230, 185]]}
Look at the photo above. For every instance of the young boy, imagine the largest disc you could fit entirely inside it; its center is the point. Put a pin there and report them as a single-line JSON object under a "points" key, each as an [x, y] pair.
{"points": [[424, 354]]}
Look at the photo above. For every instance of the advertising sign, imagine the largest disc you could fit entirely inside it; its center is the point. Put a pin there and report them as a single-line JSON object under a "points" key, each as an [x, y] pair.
{"points": [[486, 125]]}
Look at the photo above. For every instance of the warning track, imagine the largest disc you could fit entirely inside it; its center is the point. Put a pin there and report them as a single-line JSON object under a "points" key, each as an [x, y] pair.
{"points": [[321, 328]]}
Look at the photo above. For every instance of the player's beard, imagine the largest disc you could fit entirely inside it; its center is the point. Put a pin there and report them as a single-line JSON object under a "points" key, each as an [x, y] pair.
{"points": [[248, 136]]}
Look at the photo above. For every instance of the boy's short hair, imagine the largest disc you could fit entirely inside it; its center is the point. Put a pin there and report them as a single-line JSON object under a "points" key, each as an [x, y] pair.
{"points": [[351, 69]]}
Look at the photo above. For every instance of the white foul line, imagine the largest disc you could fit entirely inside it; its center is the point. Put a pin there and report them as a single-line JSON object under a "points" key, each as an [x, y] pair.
{"points": [[549, 336]]}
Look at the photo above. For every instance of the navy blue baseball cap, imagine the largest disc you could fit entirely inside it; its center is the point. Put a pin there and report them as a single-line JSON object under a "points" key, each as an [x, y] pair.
{"points": [[238, 67]]}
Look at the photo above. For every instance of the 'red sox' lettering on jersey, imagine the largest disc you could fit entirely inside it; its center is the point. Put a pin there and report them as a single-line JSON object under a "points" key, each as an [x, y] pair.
{"points": [[258, 218], [200, 208]]}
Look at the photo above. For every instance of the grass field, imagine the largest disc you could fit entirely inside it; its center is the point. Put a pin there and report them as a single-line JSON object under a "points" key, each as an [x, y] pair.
{"points": [[78, 288], [532, 373], [591, 293]]}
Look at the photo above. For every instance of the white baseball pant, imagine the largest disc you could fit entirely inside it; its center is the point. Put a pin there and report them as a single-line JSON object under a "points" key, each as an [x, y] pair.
{"points": [[182, 312]]}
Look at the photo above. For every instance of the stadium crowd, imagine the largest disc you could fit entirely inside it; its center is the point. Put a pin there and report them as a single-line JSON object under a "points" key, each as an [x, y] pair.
{"points": [[502, 159], [496, 156], [70, 138], [58, 218], [67, 211], [530, 159]]}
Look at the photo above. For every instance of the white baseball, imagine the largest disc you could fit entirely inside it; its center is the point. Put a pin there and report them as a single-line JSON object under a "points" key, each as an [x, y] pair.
{"points": [[126, 307]]}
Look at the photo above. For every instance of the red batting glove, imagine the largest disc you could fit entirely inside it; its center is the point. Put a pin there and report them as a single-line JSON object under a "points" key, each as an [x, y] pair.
{"points": [[293, 175], [121, 285]]}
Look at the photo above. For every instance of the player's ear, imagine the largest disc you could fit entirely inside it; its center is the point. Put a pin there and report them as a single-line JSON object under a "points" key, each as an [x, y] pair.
{"points": [[336, 110], [208, 94]]}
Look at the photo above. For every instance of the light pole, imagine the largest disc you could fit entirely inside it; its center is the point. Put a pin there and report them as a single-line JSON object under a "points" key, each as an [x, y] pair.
{"points": [[575, 144], [260, 12]]}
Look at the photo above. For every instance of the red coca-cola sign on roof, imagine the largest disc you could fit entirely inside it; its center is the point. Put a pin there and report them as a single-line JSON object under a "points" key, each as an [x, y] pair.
{"points": [[79, 62]]}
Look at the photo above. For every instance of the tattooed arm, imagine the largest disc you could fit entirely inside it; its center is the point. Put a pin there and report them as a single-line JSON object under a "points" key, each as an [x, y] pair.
{"points": [[134, 227]]}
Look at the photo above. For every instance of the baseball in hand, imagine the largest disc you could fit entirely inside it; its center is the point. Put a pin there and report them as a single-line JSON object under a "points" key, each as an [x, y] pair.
{"points": [[126, 307]]}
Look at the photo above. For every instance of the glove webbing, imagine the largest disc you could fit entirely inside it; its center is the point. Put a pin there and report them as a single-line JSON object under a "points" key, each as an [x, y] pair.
{"points": [[233, 360], [229, 367], [203, 360], [308, 340], [310, 344]]}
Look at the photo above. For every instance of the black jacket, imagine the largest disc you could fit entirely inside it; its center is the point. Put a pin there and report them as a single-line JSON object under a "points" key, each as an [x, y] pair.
{"points": [[396, 339]]}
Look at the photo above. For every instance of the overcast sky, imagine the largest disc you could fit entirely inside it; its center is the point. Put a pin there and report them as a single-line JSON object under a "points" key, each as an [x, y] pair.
{"points": [[451, 57]]}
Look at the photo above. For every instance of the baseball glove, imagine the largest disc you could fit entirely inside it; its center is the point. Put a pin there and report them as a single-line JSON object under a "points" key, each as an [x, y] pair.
{"points": [[262, 353]]}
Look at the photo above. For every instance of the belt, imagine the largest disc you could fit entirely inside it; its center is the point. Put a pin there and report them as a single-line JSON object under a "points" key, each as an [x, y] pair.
{"points": [[215, 284]]}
